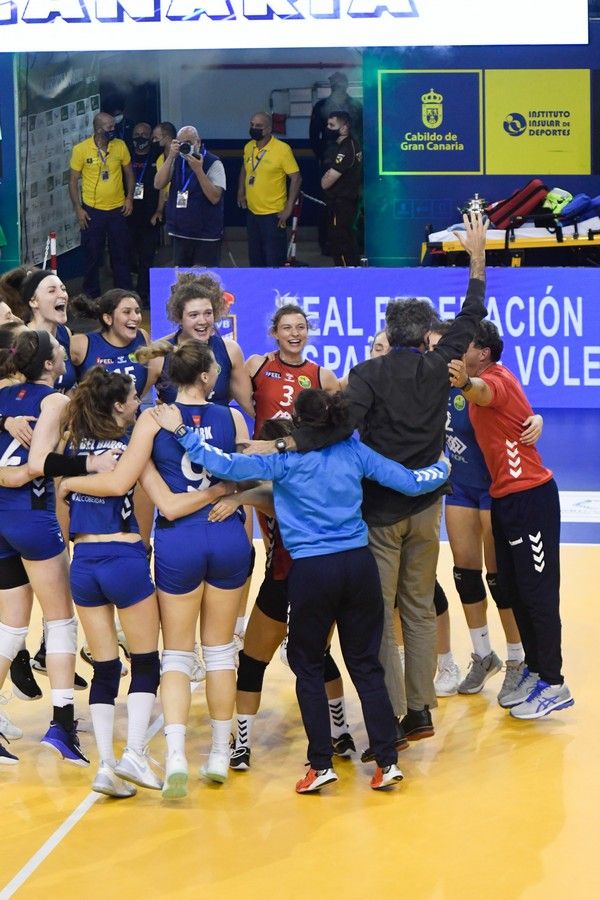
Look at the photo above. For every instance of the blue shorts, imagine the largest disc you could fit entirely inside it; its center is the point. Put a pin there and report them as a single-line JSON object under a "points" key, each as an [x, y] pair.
{"points": [[189, 553], [472, 497], [34, 534], [113, 572]]}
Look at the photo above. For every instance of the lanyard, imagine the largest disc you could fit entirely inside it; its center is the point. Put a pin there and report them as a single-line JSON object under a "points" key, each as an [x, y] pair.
{"points": [[184, 187], [141, 177], [256, 164], [103, 157]]}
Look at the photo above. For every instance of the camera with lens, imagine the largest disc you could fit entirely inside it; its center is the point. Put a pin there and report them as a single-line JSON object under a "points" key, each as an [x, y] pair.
{"points": [[185, 148]]}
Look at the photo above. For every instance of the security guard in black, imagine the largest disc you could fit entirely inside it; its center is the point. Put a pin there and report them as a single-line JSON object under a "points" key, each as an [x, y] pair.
{"points": [[341, 183]]}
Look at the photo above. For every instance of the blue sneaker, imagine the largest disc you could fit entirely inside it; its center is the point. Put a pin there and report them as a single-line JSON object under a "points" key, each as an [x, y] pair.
{"points": [[66, 743], [6, 758], [544, 699]]}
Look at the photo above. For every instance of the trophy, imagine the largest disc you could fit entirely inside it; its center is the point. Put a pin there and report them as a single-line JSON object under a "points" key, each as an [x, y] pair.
{"points": [[475, 205]]}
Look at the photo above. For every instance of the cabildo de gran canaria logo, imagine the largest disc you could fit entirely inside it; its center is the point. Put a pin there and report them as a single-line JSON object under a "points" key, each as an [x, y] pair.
{"points": [[432, 113], [539, 123], [432, 116]]}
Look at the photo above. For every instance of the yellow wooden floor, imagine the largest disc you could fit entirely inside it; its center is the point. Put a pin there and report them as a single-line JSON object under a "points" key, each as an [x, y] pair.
{"points": [[490, 807]]}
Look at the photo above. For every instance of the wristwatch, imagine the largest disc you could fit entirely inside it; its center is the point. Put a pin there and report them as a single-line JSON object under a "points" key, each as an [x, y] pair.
{"points": [[281, 445], [180, 431]]}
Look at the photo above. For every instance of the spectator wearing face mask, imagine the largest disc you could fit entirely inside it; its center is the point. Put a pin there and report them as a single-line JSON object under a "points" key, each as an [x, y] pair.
{"points": [[262, 190], [341, 183], [147, 212], [195, 205], [99, 163]]}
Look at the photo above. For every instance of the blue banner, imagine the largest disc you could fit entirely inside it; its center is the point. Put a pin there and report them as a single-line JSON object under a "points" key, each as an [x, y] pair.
{"points": [[549, 318]]}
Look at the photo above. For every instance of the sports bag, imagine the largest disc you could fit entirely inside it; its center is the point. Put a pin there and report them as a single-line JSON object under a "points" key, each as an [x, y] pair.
{"points": [[580, 208], [521, 203]]}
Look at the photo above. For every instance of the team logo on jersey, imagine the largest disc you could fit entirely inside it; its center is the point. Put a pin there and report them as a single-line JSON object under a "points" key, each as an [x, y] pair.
{"points": [[103, 362], [131, 357], [304, 381], [196, 420], [275, 375], [21, 394], [459, 402], [289, 377]]}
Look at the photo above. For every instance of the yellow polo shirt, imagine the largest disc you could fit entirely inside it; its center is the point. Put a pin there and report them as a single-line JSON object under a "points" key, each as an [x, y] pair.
{"points": [[267, 194], [96, 191]]}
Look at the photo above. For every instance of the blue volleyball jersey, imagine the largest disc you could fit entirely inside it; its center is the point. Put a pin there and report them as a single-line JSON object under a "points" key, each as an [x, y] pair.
{"points": [[215, 425], [23, 400], [69, 379], [468, 464], [101, 352], [102, 515], [167, 391]]}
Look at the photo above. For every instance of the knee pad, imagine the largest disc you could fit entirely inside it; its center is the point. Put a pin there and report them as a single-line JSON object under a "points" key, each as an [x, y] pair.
{"points": [[12, 640], [219, 658], [251, 673], [12, 573], [440, 601], [497, 591], [469, 585], [145, 673], [105, 683], [61, 636], [178, 661], [331, 670]]}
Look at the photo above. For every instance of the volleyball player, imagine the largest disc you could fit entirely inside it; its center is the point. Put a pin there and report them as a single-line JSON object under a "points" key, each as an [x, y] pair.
{"points": [[45, 298], [200, 567]]}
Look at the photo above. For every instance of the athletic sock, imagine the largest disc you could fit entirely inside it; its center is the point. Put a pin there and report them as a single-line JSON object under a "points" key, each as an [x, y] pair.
{"points": [[103, 720], [139, 710], [445, 660], [480, 638], [175, 736], [337, 717], [515, 652], [63, 700], [244, 731], [221, 729], [240, 626]]}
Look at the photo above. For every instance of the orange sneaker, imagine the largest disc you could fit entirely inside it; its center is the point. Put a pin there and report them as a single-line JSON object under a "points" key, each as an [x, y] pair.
{"points": [[314, 780], [386, 777]]}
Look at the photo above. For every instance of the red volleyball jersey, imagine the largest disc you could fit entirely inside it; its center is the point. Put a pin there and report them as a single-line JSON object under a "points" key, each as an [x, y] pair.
{"points": [[276, 386], [513, 466], [278, 560]]}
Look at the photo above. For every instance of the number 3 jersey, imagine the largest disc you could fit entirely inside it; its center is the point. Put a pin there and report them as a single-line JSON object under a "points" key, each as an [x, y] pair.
{"points": [[277, 384], [215, 425], [102, 515], [23, 400]]}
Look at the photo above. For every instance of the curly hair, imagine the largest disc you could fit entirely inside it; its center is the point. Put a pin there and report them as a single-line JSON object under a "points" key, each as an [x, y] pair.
{"points": [[190, 286]]}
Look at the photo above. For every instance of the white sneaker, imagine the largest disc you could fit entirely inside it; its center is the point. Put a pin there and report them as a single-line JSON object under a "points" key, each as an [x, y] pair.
{"points": [[135, 767], [176, 776], [199, 669], [386, 777], [10, 731], [217, 766], [447, 680], [108, 783]]}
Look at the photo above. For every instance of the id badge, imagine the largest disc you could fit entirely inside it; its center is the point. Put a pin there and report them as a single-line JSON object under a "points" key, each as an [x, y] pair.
{"points": [[105, 175], [138, 192], [182, 199]]}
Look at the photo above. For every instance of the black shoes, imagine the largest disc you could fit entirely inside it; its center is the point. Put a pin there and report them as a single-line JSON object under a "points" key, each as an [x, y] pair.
{"points": [[25, 687], [417, 724], [400, 744], [39, 664]]}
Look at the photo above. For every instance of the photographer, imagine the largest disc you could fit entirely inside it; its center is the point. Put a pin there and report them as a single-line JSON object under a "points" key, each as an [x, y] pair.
{"points": [[194, 210]]}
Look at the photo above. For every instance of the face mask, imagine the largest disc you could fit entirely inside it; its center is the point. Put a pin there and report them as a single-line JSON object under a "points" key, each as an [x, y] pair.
{"points": [[256, 133], [118, 119], [141, 144], [110, 135], [333, 134]]}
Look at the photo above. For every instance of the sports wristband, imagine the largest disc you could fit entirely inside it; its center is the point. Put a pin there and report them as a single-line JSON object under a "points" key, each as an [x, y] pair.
{"points": [[180, 431], [56, 464]]}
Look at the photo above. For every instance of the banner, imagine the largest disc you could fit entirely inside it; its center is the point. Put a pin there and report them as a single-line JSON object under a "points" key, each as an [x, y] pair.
{"points": [[549, 318], [221, 24]]}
